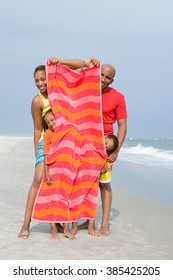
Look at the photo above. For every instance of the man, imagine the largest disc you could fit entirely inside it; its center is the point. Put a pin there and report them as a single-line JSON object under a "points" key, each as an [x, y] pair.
{"points": [[114, 110]]}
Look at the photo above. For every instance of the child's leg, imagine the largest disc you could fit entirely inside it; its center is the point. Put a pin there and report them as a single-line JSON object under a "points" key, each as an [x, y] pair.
{"points": [[60, 228], [53, 231], [91, 228], [67, 232], [74, 228]]}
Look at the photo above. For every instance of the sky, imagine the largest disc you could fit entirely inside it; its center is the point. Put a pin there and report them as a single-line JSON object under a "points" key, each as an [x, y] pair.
{"points": [[134, 36]]}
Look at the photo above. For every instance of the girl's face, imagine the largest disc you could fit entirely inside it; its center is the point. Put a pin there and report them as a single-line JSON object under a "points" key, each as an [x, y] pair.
{"points": [[50, 120], [109, 144], [40, 81]]}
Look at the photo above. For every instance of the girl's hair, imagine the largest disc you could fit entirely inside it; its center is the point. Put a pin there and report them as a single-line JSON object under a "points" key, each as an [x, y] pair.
{"points": [[115, 141], [40, 68], [44, 124]]}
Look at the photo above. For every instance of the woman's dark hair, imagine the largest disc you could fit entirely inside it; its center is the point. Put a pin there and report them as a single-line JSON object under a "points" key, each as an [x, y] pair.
{"points": [[40, 68]]}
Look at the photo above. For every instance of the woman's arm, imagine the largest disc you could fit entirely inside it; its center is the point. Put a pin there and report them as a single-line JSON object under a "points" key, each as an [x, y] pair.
{"points": [[36, 107], [75, 64]]}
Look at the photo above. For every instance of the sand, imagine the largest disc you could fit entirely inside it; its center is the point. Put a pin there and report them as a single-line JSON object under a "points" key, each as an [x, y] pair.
{"points": [[140, 229]]}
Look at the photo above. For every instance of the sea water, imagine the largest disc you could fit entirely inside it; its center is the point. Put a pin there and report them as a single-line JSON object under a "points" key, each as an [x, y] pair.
{"points": [[145, 167]]}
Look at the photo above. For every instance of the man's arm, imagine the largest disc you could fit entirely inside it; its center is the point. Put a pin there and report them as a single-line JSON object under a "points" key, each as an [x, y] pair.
{"points": [[122, 130]]}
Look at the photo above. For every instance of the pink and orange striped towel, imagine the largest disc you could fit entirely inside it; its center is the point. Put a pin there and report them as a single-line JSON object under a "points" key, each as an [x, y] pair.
{"points": [[77, 153]]}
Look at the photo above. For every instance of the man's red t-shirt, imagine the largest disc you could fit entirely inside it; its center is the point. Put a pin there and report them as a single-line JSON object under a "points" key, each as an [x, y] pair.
{"points": [[113, 109]]}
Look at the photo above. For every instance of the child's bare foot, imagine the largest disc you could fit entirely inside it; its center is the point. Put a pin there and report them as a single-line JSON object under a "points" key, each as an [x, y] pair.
{"points": [[74, 228], [91, 228], [69, 235], [92, 232], [55, 235], [53, 231]]}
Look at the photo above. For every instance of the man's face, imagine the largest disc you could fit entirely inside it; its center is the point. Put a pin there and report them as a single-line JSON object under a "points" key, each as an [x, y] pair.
{"points": [[107, 77]]}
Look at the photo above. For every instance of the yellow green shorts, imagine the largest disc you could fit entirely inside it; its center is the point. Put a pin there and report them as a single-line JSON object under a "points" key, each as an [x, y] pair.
{"points": [[106, 177]]}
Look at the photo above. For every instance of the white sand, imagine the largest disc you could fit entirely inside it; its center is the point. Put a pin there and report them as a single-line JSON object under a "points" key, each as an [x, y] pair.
{"points": [[140, 229]]}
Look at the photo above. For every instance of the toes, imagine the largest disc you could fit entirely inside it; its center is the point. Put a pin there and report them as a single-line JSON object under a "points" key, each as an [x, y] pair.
{"points": [[24, 234]]}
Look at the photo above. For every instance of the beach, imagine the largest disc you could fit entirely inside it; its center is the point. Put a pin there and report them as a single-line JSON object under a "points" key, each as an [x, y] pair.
{"points": [[141, 227]]}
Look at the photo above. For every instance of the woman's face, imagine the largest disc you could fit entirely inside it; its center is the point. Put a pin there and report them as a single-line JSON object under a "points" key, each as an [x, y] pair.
{"points": [[40, 81]]}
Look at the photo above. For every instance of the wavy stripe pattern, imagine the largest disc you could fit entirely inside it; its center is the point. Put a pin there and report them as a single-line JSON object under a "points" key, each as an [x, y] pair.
{"points": [[77, 152]]}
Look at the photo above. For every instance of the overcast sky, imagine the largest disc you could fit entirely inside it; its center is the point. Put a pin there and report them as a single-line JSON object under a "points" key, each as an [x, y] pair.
{"points": [[136, 36]]}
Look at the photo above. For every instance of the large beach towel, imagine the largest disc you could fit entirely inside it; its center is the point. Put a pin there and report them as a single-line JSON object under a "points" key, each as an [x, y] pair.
{"points": [[77, 153]]}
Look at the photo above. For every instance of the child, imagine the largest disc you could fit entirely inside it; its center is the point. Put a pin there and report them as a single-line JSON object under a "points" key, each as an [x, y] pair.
{"points": [[49, 122], [111, 144]]}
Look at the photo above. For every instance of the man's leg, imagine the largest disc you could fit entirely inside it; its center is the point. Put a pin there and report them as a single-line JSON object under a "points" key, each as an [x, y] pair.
{"points": [[106, 198]]}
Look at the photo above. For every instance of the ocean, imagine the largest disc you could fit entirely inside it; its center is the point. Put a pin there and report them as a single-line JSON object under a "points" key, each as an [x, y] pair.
{"points": [[145, 168]]}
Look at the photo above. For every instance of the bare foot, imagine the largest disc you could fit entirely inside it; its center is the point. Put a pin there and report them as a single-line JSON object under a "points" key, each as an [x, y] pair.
{"points": [[103, 231], [74, 228], [68, 235], [92, 232], [54, 231], [84, 225], [55, 235], [24, 234]]}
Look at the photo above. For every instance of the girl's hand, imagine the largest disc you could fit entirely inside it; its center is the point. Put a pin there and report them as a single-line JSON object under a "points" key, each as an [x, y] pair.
{"points": [[48, 179]]}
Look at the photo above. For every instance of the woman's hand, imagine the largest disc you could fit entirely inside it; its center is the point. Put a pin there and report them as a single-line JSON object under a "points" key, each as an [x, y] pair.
{"points": [[54, 60]]}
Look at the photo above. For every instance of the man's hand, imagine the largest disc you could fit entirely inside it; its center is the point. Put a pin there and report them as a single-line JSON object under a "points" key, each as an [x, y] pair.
{"points": [[92, 61], [113, 157]]}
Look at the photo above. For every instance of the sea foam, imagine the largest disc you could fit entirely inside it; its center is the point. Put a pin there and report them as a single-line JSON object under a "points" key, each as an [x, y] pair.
{"points": [[148, 155]]}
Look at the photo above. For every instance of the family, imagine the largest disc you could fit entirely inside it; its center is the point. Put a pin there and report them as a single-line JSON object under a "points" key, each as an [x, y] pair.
{"points": [[45, 116]]}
